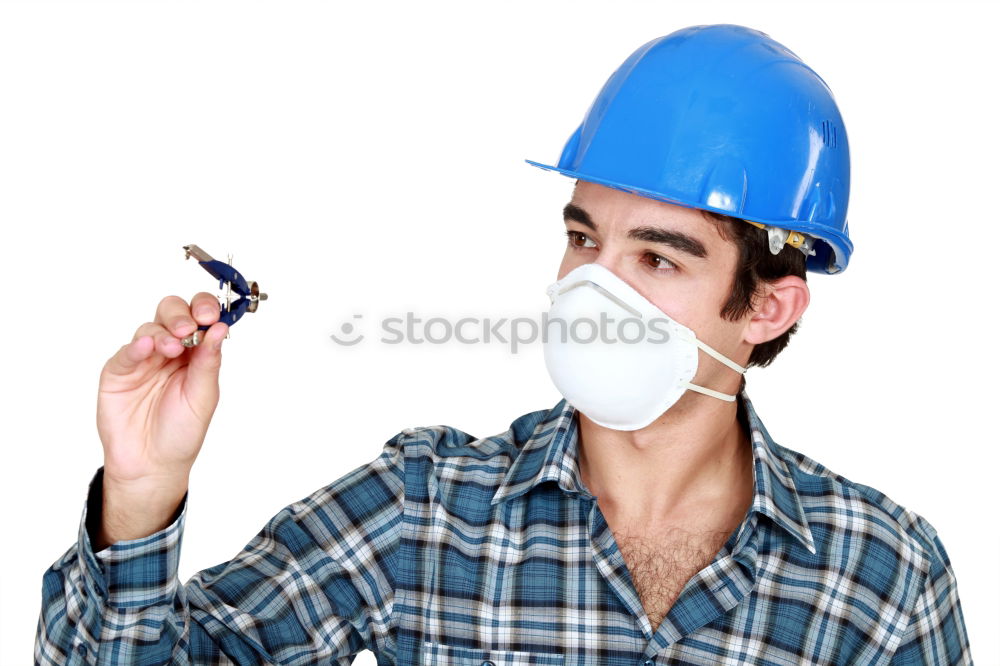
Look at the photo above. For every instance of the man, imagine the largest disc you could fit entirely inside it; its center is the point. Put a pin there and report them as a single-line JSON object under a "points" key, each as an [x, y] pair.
{"points": [[647, 518]]}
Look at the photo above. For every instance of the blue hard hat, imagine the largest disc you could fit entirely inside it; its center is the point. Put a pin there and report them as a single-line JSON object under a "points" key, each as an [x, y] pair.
{"points": [[724, 118]]}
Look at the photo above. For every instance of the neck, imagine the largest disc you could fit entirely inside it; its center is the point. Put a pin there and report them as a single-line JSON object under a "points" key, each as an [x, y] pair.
{"points": [[694, 463]]}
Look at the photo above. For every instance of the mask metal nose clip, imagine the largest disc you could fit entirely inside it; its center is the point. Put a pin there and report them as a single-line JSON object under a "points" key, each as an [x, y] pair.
{"points": [[590, 283]]}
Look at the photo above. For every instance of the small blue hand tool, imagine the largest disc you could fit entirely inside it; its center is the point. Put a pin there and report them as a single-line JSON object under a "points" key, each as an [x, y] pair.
{"points": [[249, 293]]}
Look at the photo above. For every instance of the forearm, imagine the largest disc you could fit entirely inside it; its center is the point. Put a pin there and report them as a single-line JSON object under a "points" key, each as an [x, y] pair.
{"points": [[95, 603], [126, 599]]}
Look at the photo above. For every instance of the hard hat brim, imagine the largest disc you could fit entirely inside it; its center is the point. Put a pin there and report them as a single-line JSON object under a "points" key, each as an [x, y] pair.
{"points": [[833, 248]]}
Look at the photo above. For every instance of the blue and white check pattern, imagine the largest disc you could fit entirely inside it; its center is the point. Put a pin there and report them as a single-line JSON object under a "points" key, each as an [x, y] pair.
{"points": [[448, 549]]}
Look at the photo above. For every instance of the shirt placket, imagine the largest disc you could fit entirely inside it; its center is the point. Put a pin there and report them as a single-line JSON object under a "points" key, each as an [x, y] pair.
{"points": [[611, 564], [713, 591], [710, 593]]}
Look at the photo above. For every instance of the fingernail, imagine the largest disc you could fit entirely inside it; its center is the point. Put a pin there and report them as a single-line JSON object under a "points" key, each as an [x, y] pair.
{"points": [[203, 312]]}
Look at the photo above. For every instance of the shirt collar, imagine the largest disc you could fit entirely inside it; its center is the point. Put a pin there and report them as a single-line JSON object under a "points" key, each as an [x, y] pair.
{"points": [[550, 453]]}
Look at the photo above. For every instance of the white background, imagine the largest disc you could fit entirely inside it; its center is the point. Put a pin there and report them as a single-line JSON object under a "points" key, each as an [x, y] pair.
{"points": [[368, 158]]}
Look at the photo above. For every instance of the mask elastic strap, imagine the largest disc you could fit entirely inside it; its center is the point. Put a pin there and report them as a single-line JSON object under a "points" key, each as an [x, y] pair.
{"points": [[714, 394], [721, 359]]}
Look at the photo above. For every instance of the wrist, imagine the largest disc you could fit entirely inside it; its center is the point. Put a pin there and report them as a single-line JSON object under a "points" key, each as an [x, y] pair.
{"points": [[138, 508]]}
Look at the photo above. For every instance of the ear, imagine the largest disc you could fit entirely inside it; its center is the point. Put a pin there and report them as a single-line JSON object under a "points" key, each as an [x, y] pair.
{"points": [[779, 305]]}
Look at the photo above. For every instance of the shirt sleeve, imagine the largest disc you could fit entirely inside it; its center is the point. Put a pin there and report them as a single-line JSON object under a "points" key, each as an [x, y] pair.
{"points": [[315, 585], [936, 631]]}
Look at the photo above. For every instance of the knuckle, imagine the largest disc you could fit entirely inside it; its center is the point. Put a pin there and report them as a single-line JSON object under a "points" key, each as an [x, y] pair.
{"points": [[170, 300], [114, 358], [147, 328], [167, 346], [169, 305]]}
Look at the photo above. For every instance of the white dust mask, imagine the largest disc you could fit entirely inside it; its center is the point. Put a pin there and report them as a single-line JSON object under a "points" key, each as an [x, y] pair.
{"points": [[615, 356]]}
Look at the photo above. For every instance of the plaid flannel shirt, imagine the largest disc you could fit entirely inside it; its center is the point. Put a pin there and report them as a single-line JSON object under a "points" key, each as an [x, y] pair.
{"points": [[450, 549]]}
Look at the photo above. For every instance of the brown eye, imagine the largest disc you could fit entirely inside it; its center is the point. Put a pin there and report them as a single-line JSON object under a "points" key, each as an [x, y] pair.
{"points": [[657, 262], [579, 240]]}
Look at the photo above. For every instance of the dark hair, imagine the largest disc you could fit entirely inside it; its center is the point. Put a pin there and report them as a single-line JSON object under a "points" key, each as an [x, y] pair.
{"points": [[754, 266]]}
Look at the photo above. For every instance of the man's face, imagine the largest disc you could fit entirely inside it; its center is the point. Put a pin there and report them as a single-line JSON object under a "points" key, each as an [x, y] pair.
{"points": [[671, 255]]}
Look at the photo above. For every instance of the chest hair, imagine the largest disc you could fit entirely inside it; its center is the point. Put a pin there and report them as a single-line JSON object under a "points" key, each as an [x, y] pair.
{"points": [[661, 562]]}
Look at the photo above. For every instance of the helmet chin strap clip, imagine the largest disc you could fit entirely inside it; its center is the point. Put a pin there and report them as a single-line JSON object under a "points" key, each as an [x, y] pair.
{"points": [[777, 238]]}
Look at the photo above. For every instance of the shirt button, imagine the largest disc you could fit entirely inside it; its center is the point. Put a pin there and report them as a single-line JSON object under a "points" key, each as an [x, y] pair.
{"points": [[648, 662], [487, 663], [81, 649]]}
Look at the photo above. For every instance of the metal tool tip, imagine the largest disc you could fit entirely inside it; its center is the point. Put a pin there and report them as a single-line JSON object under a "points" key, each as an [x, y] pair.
{"points": [[192, 340]]}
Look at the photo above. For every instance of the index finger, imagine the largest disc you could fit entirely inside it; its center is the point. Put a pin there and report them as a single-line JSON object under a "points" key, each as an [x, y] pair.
{"points": [[181, 319], [205, 308]]}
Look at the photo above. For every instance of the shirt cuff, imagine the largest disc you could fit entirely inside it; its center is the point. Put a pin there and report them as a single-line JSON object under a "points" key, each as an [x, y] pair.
{"points": [[134, 573]]}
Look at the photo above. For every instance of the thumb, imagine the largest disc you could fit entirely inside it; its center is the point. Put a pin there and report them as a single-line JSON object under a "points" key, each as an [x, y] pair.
{"points": [[202, 382]]}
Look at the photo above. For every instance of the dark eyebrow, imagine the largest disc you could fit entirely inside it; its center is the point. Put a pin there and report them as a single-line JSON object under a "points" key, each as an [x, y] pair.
{"points": [[675, 239], [679, 241], [573, 212]]}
